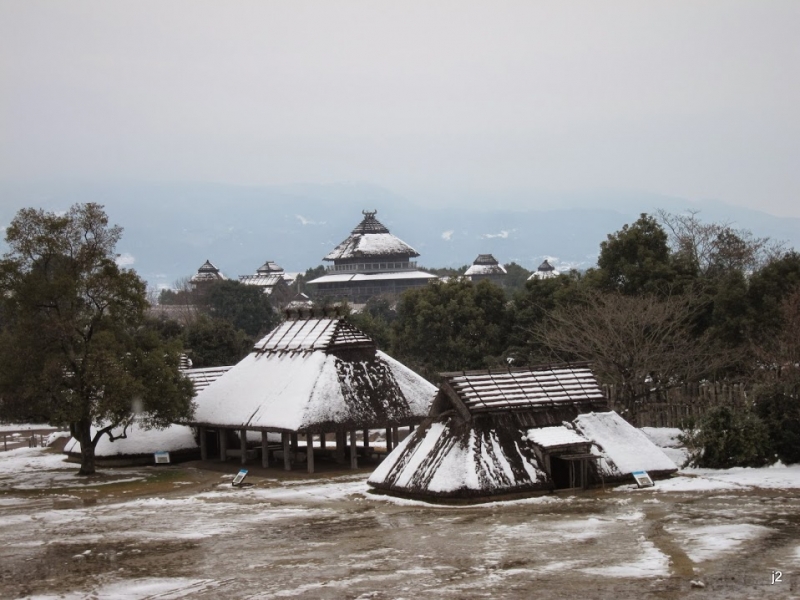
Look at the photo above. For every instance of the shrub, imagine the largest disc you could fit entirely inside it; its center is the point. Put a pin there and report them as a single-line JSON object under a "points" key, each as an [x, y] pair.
{"points": [[778, 406], [726, 438]]}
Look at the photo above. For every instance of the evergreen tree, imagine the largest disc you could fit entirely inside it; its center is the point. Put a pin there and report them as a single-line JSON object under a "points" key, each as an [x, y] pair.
{"points": [[73, 346], [635, 260], [451, 326], [215, 342]]}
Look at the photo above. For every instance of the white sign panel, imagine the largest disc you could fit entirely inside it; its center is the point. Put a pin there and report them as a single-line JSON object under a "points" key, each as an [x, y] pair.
{"points": [[642, 479], [240, 477]]}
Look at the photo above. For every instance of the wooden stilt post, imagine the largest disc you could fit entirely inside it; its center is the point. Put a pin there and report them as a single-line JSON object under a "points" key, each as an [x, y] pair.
{"points": [[295, 447], [310, 452], [223, 445], [366, 441], [201, 431], [388, 439], [322, 441], [340, 443], [353, 450], [395, 437], [287, 451], [243, 434], [264, 450]]}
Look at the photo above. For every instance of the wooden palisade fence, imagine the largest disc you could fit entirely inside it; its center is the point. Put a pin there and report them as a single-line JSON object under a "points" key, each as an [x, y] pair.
{"points": [[676, 406]]}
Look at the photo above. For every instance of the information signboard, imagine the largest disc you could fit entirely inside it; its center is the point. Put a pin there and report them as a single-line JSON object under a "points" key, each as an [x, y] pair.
{"points": [[239, 477], [642, 479]]}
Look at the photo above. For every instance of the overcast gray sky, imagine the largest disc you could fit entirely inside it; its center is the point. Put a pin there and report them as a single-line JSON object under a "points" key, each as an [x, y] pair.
{"points": [[693, 99]]}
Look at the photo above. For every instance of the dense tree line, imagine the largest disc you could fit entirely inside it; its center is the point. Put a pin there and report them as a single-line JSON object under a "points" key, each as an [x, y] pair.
{"points": [[671, 300], [219, 321]]}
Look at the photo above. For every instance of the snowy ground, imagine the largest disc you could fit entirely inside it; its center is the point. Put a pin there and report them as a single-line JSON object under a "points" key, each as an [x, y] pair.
{"points": [[174, 532]]}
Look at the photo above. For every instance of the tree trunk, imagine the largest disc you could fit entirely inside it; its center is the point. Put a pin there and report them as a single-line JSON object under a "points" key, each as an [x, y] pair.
{"points": [[84, 436]]}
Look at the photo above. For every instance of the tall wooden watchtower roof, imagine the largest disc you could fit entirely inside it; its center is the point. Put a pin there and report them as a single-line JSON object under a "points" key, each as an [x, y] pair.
{"points": [[371, 239], [207, 272]]}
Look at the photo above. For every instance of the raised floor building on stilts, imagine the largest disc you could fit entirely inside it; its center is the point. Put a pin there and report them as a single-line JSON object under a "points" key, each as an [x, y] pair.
{"points": [[312, 378]]}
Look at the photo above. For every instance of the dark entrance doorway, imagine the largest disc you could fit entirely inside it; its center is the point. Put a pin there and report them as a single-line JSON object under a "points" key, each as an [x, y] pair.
{"points": [[560, 472], [212, 442], [571, 471]]}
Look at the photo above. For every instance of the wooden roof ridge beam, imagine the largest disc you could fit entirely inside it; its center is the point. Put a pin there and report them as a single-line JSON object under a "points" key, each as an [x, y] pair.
{"points": [[535, 368], [455, 400]]}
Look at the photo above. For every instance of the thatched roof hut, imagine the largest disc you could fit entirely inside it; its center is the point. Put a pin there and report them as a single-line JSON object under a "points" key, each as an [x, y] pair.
{"points": [[371, 239], [139, 444], [544, 271], [207, 273], [485, 266], [314, 375], [370, 262], [517, 430]]}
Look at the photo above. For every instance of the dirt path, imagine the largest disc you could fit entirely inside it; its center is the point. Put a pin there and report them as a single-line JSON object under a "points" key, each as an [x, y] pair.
{"points": [[185, 532]]}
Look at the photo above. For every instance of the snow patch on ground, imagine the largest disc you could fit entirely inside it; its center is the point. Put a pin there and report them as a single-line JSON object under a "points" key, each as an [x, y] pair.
{"points": [[38, 468], [167, 588], [651, 563], [711, 541], [737, 478]]}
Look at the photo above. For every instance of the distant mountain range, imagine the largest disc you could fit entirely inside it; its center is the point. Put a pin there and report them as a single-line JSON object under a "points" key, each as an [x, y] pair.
{"points": [[171, 229]]}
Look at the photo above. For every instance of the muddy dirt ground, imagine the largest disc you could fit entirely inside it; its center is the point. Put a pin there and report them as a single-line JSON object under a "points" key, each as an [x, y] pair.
{"points": [[183, 531]]}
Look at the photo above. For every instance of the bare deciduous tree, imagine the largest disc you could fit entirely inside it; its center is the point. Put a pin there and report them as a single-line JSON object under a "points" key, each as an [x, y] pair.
{"points": [[781, 353], [636, 343], [717, 246]]}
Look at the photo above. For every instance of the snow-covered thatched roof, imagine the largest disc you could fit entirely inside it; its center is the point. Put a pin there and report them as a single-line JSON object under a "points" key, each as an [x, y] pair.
{"points": [[511, 431], [446, 459], [300, 301], [366, 278], [270, 267], [315, 374], [202, 378], [545, 271], [370, 239], [267, 276], [521, 388], [264, 280], [207, 272], [139, 441], [485, 264], [623, 448]]}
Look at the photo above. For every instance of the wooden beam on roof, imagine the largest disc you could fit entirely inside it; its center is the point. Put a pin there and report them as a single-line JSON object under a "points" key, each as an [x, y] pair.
{"points": [[455, 400]]}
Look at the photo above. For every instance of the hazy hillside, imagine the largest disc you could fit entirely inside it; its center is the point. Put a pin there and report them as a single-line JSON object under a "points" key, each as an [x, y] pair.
{"points": [[171, 229]]}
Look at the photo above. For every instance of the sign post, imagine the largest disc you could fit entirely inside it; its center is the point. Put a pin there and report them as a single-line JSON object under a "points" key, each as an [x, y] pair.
{"points": [[237, 481]]}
